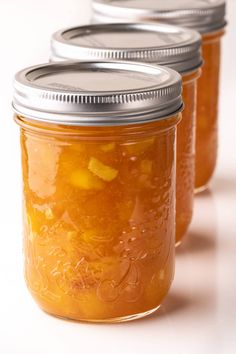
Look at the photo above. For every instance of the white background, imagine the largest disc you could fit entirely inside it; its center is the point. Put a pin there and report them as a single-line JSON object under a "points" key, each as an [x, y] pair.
{"points": [[199, 316]]}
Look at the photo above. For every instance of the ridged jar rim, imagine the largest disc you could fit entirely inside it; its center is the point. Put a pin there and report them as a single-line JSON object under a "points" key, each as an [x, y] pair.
{"points": [[38, 96], [204, 19], [183, 55]]}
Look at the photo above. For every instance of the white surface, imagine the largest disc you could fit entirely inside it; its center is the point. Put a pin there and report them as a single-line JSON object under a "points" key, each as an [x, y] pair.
{"points": [[199, 316]]}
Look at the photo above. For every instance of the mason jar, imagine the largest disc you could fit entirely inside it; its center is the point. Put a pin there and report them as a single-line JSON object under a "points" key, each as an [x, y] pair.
{"points": [[207, 17], [98, 158], [172, 46]]}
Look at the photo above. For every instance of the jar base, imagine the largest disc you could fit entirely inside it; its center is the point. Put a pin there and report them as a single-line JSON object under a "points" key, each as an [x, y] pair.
{"points": [[181, 236], [201, 189], [178, 243], [109, 320]]}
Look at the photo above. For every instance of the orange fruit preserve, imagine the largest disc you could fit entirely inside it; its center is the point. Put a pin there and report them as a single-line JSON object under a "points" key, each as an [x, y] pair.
{"points": [[185, 174], [99, 199], [176, 47], [97, 214], [208, 17], [207, 111]]}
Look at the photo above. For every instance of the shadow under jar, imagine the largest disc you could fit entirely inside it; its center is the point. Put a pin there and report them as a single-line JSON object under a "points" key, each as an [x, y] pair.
{"points": [[98, 157], [172, 46], [207, 17]]}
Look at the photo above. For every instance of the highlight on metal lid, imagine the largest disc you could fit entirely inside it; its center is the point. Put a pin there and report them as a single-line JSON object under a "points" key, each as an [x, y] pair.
{"points": [[176, 47], [97, 93], [202, 15]]}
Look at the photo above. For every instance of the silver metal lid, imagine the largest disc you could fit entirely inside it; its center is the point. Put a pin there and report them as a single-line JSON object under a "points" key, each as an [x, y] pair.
{"points": [[202, 15], [176, 47], [97, 93]]}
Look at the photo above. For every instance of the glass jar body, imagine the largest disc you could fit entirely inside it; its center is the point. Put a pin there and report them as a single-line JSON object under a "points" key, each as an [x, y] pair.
{"points": [[185, 176], [99, 218], [207, 99], [207, 111]]}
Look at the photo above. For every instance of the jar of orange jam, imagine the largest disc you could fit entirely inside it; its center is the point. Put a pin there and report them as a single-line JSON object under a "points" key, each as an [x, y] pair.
{"points": [[172, 46], [207, 17], [98, 157]]}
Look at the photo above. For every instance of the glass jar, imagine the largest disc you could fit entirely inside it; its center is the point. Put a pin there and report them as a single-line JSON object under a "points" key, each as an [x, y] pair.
{"points": [[186, 141], [98, 157], [178, 48], [207, 108], [207, 17]]}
